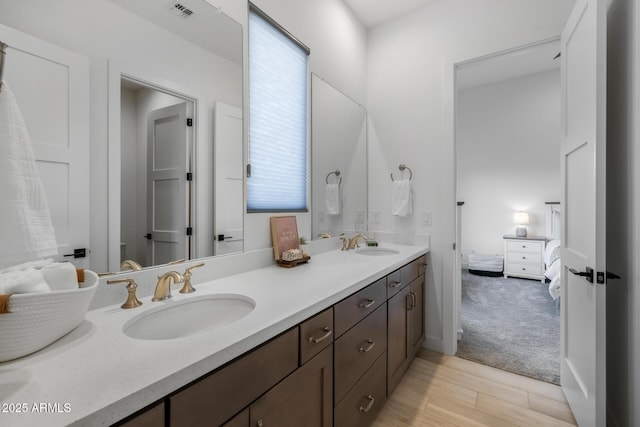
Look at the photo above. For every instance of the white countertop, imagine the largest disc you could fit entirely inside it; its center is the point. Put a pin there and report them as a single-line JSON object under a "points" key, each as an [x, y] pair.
{"points": [[96, 375]]}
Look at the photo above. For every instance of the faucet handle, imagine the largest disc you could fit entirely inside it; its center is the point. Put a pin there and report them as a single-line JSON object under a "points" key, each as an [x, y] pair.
{"points": [[187, 288], [132, 300], [345, 243]]}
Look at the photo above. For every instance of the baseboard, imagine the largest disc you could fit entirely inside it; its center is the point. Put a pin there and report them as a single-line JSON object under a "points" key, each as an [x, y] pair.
{"points": [[434, 344]]}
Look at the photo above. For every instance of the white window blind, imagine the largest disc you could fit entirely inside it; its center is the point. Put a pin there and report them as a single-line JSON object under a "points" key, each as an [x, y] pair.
{"points": [[277, 119]]}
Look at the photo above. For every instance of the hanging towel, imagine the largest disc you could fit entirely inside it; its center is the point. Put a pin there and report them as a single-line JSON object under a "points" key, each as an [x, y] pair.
{"points": [[401, 203], [26, 230], [333, 199]]}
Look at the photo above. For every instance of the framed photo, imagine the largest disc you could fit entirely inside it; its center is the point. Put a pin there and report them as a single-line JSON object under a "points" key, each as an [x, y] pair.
{"points": [[284, 235]]}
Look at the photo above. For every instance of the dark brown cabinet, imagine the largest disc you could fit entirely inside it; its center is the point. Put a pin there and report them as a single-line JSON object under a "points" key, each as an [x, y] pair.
{"points": [[152, 417], [304, 398], [406, 330]]}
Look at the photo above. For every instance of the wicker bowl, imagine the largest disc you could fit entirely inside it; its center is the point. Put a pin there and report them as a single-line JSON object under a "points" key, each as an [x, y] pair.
{"points": [[35, 320]]}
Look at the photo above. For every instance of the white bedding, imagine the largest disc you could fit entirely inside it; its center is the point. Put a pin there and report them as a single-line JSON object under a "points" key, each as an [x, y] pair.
{"points": [[552, 261]]}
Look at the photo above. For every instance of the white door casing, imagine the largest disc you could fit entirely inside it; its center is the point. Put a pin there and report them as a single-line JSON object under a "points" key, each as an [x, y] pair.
{"points": [[167, 213], [228, 193], [583, 310], [51, 86]]}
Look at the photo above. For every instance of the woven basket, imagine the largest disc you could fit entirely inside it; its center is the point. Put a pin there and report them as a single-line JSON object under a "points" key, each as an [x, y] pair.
{"points": [[37, 319]]}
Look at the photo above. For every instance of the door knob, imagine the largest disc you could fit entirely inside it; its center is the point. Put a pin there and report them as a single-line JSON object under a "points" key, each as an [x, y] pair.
{"points": [[588, 273]]}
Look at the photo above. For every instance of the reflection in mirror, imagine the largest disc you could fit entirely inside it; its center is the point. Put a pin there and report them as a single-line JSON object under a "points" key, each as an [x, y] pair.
{"points": [[180, 186], [339, 162]]}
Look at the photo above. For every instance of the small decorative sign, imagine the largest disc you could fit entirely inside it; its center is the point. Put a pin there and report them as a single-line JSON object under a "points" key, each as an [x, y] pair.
{"points": [[285, 240]]}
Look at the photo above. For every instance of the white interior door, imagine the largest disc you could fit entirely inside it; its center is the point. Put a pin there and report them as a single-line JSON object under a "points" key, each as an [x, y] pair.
{"points": [[228, 194], [583, 335], [51, 86], [167, 184]]}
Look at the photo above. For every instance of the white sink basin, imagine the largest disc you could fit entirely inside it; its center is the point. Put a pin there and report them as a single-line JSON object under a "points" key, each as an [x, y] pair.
{"points": [[189, 317], [376, 251]]}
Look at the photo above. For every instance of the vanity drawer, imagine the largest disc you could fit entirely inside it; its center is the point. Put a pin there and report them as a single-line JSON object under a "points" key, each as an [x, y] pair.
{"points": [[410, 272], [217, 397], [358, 349], [349, 311], [363, 402], [525, 246], [422, 265], [315, 335]]}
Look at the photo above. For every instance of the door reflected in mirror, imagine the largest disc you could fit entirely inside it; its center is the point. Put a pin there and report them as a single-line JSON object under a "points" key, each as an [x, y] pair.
{"points": [[339, 162]]}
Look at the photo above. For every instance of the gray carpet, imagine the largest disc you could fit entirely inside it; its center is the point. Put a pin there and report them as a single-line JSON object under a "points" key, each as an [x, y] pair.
{"points": [[511, 324]]}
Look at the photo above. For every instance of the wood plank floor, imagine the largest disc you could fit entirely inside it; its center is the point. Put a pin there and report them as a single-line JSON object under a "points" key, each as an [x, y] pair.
{"points": [[441, 390]]}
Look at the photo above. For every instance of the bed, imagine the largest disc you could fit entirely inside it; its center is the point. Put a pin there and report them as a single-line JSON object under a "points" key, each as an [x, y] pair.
{"points": [[552, 250]]}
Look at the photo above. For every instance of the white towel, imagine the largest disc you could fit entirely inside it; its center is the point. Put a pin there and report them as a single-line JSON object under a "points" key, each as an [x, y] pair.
{"points": [[332, 198], [24, 281], [26, 230], [401, 198]]}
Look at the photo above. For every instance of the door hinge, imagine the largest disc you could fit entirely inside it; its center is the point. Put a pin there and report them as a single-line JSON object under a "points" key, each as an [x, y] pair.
{"points": [[248, 170], [189, 122], [189, 231], [189, 176], [454, 246]]}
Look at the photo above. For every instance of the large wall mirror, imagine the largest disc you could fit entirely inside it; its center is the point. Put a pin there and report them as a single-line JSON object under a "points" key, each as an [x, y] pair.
{"points": [[339, 162], [179, 138], [168, 189]]}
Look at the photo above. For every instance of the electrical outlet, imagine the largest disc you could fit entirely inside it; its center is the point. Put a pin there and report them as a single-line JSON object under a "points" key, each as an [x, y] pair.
{"points": [[426, 217], [375, 216]]}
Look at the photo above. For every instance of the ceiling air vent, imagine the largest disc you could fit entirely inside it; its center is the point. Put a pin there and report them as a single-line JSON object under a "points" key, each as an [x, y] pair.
{"points": [[181, 11]]}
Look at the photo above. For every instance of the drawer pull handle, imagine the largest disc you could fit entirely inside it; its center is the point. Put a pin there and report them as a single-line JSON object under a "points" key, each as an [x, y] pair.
{"points": [[367, 408], [369, 347], [395, 284], [367, 304], [260, 423], [414, 299], [327, 334], [524, 257], [524, 269]]}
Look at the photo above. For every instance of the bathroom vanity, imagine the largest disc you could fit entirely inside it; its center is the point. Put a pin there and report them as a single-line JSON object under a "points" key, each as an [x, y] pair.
{"points": [[326, 344]]}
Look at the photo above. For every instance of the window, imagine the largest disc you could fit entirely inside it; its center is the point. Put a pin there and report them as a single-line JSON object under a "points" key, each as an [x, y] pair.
{"points": [[278, 88]]}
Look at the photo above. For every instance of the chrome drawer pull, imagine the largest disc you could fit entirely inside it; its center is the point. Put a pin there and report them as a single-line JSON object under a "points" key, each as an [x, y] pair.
{"points": [[369, 405], [328, 332], [369, 348], [395, 284], [367, 304]]}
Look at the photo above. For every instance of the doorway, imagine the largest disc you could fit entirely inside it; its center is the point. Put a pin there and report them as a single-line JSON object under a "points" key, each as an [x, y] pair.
{"points": [[507, 151], [156, 160]]}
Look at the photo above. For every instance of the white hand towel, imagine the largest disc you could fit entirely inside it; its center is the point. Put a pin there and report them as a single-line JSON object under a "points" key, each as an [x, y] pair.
{"points": [[333, 199], [26, 230], [401, 198], [24, 281]]}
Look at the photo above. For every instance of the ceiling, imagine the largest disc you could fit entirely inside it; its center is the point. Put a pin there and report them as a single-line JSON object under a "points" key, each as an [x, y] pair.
{"points": [[374, 12], [495, 68]]}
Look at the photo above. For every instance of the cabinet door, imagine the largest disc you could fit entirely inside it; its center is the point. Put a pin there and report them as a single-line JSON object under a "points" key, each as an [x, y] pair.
{"points": [[416, 316], [397, 337], [304, 398]]}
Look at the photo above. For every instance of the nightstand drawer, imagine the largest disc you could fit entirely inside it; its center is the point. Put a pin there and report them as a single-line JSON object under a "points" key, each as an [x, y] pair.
{"points": [[518, 268], [524, 246], [524, 258]]}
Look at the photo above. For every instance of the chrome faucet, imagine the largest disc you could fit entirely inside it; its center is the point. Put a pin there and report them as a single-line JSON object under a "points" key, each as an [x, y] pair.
{"points": [[163, 287], [353, 242]]}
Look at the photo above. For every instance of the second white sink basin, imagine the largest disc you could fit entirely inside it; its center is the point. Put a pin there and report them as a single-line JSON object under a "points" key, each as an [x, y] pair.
{"points": [[376, 251], [189, 317]]}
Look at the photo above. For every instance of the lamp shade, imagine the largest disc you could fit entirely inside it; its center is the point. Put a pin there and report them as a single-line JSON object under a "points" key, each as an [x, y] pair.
{"points": [[521, 218]]}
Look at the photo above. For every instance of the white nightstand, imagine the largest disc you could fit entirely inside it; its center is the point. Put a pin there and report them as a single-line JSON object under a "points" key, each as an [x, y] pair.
{"points": [[524, 257]]}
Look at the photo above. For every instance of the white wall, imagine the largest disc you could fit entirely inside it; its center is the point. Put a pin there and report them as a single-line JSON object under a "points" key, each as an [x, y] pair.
{"points": [[338, 50], [508, 157], [405, 61], [623, 218]]}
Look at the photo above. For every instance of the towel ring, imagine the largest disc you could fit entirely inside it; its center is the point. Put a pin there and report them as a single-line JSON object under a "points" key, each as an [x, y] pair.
{"points": [[402, 167], [336, 173]]}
